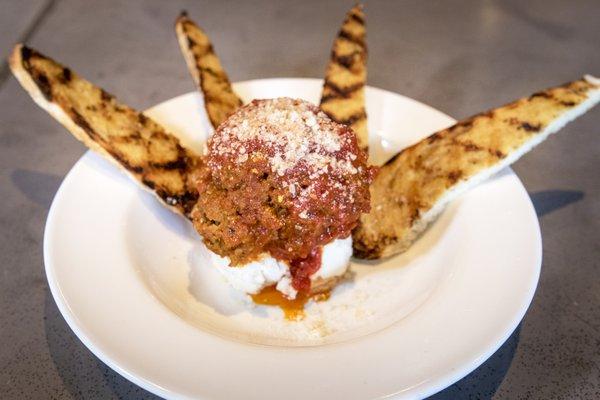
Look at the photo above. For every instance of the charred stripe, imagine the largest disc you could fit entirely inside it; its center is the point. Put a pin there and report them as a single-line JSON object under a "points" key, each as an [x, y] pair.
{"points": [[357, 17], [185, 201], [26, 54], [340, 92], [531, 127], [218, 75], [142, 119], [65, 76], [351, 38], [353, 118], [497, 153], [454, 176], [83, 124], [347, 61], [191, 42], [42, 82], [544, 95], [105, 96], [148, 183], [137, 169], [470, 146], [179, 164]]}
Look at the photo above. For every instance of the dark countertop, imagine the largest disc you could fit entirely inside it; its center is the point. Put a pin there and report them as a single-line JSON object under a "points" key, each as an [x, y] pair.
{"points": [[458, 56]]}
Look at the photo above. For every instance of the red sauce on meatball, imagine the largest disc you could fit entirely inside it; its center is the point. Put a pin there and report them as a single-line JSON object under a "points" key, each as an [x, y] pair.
{"points": [[280, 177]]}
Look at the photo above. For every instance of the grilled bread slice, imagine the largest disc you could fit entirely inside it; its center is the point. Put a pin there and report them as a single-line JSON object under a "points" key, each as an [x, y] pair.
{"points": [[414, 186], [220, 100], [343, 96], [128, 138]]}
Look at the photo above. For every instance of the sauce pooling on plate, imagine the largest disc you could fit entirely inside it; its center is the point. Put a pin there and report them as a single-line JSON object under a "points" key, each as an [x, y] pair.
{"points": [[281, 178], [293, 310]]}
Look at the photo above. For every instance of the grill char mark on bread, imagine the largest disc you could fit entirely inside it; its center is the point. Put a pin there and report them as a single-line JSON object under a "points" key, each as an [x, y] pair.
{"points": [[131, 140], [207, 72], [343, 96], [413, 187]]}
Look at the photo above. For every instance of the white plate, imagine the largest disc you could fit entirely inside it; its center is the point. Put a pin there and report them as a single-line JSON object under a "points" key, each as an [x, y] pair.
{"points": [[128, 277]]}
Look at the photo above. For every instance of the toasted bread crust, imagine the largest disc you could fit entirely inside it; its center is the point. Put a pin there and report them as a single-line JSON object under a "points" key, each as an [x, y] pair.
{"points": [[129, 139], [415, 185], [343, 96], [220, 100]]}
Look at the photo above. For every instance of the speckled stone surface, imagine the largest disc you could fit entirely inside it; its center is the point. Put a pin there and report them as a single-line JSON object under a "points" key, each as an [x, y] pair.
{"points": [[458, 56]]}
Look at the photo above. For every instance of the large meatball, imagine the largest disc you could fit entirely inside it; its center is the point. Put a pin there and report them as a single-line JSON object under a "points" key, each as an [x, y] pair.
{"points": [[282, 178]]}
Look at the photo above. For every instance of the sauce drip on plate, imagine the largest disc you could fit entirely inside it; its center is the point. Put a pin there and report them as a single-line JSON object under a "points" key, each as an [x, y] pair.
{"points": [[292, 309]]}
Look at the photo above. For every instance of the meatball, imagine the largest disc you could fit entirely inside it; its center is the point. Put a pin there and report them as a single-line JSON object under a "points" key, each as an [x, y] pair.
{"points": [[281, 178]]}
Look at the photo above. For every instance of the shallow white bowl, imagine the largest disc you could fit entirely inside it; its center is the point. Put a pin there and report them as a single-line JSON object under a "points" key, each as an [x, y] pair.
{"points": [[128, 277]]}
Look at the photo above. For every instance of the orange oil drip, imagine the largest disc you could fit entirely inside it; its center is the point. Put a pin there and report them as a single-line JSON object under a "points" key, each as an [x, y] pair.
{"points": [[292, 309]]}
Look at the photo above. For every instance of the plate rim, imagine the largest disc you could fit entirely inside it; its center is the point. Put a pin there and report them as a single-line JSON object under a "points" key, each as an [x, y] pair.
{"points": [[424, 389]]}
